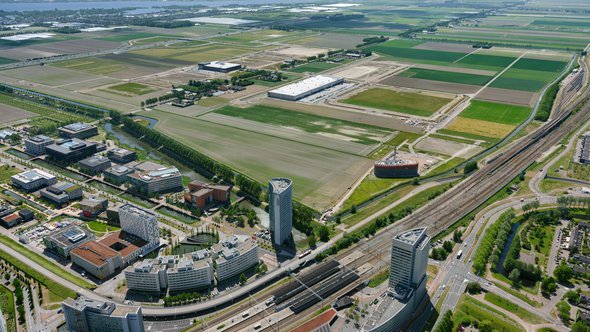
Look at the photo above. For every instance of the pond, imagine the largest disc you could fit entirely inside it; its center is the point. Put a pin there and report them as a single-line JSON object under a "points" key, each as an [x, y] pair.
{"points": [[176, 215], [137, 200], [104, 187], [61, 170], [19, 154], [513, 231], [24, 199], [152, 122]]}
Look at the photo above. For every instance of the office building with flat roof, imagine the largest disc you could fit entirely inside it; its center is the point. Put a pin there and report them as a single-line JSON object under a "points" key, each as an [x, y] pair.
{"points": [[231, 262], [67, 239], [190, 274], [36, 145], [33, 179], [62, 192], [86, 315], [92, 206], [146, 276], [121, 156], [163, 180], [97, 259], [11, 220], [117, 174], [202, 194], [94, 164], [141, 223], [70, 150], [280, 209], [304, 88], [77, 130], [407, 282]]}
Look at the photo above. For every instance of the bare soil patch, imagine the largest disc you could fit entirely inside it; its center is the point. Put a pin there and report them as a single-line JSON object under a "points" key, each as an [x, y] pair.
{"points": [[417, 83], [524, 98], [300, 51], [448, 148], [9, 114]]}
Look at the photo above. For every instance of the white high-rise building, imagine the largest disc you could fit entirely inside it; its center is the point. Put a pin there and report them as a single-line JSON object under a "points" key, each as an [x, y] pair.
{"points": [[86, 315], [280, 209], [142, 224]]}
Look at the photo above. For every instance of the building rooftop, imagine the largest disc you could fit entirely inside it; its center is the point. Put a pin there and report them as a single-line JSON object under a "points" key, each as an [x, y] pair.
{"points": [[33, 175], [93, 161], [121, 151], [411, 236], [40, 139], [222, 65], [67, 145], [6, 133], [119, 170], [226, 253], [280, 184], [148, 166], [124, 243], [317, 322], [77, 126], [137, 211], [93, 200], [70, 234], [305, 85], [105, 308], [95, 252], [389, 307], [158, 174]]}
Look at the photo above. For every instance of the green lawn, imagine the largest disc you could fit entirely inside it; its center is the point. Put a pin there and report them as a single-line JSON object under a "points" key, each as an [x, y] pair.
{"points": [[5, 61], [403, 102], [513, 308], [7, 306], [314, 67], [369, 187], [100, 227], [132, 88], [473, 309], [496, 112], [46, 263], [446, 76], [6, 172], [310, 123], [518, 294], [379, 278]]}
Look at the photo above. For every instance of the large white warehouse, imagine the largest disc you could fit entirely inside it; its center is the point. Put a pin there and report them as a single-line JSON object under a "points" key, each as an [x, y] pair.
{"points": [[304, 88]]}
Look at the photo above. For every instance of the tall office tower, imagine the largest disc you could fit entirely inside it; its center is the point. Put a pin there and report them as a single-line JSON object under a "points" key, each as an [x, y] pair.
{"points": [[409, 258], [280, 209], [142, 224], [86, 315]]}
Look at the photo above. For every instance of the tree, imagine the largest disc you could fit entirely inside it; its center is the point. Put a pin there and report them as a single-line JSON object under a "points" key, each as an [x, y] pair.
{"points": [[446, 323], [485, 326], [474, 287], [457, 234], [324, 233], [514, 275], [563, 273], [448, 246], [311, 240], [243, 279], [548, 285], [470, 167], [572, 296], [353, 209], [580, 326], [564, 311]]}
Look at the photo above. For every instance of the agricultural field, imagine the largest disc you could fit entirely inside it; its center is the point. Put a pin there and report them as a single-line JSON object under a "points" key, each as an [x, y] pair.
{"points": [[446, 76], [320, 175], [529, 74], [485, 120], [403, 102], [195, 51], [10, 114], [132, 88], [315, 67]]}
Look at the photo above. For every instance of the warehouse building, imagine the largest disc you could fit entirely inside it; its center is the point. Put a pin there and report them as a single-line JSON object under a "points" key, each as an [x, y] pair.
{"points": [[36, 145], [33, 179], [86, 315], [407, 282], [304, 88], [77, 130], [62, 193], [218, 66], [121, 156], [232, 261], [202, 194], [392, 167], [163, 180], [70, 150], [94, 164], [67, 239]]}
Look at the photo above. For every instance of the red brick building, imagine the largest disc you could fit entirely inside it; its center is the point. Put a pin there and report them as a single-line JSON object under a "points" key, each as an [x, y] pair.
{"points": [[202, 194]]}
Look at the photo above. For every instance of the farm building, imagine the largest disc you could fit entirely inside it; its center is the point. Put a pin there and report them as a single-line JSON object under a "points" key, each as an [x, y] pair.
{"points": [[392, 167], [305, 87], [218, 66]]}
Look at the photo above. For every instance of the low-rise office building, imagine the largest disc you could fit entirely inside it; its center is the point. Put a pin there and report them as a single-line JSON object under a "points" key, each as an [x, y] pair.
{"points": [[231, 262], [121, 156], [94, 164], [70, 150], [26, 215], [33, 179], [36, 145], [159, 181], [190, 274], [86, 315], [62, 193], [93, 206], [5, 210], [67, 239], [117, 174], [11, 220], [202, 194], [97, 259], [146, 276], [77, 130]]}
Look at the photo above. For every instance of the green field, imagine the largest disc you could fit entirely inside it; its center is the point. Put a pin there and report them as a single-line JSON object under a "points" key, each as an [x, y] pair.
{"points": [[310, 123], [6, 172], [540, 65], [314, 67], [496, 112], [91, 65], [391, 50], [5, 61], [320, 175], [403, 102], [369, 187], [132, 88], [7, 306], [446, 76], [194, 51], [473, 309], [487, 60], [130, 36], [513, 308]]}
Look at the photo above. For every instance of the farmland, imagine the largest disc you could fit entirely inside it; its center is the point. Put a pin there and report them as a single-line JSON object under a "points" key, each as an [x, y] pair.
{"points": [[446, 76], [314, 67], [320, 175], [495, 112], [404, 102], [132, 88], [193, 52]]}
